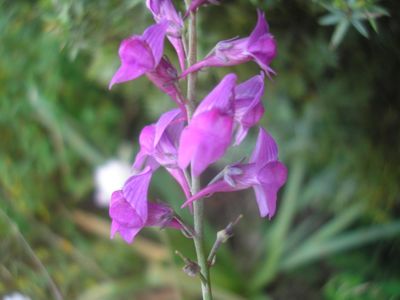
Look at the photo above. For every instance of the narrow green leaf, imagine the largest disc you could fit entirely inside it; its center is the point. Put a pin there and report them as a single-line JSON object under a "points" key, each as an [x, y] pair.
{"points": [[379, 11], [340, 243], [338, 224], [340, 32], [330, 19], [360, 27], [373, 24]]}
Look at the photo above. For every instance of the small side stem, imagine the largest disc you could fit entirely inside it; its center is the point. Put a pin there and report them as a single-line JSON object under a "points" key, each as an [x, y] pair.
{"points": [[198, 208]]}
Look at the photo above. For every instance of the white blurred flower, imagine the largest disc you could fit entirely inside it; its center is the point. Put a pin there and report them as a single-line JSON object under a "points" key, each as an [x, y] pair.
{"points": [[108, 178], [16, 296]]}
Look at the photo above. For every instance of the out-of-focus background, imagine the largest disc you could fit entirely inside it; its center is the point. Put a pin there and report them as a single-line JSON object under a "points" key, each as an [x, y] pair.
{"points": [[66, 140]]}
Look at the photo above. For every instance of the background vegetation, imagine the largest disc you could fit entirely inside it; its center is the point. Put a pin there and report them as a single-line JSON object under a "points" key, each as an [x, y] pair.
{"points": [[333, 107]]}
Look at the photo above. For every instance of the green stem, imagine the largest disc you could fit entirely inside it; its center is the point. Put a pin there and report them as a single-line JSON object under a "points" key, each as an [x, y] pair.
{"points": [[198, 209]]}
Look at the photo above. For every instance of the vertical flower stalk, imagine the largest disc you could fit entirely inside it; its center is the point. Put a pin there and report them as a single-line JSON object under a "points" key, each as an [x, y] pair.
{"points": [[198, 207]]}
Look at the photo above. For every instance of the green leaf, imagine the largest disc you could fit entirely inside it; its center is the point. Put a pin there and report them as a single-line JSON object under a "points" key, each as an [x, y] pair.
{"points": [[330, 19], [379, 11], [360, 27], [346, 241], [373, 24], [340, 32]]}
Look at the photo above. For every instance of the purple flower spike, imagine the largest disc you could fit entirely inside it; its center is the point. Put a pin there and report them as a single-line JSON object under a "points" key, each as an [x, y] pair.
{"points": [[164, 10], [130, 211], [209, 134], [249, 108], [195, 4], [140, 54], [264, 173], [260, 46]]}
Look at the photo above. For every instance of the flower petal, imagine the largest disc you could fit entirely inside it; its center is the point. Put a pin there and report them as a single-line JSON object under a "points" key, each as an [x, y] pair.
{"points": [[135, 192], [262, 202], [159, 214], [127, 233], [260, 29], [272, 177], [177, 43], [146, 142], [249, 108], [264, 51], [205, 140], [154, 37], [195, 4], [219, 186], [226, 53], [181, 179], [164, 10], [261, 44], [265, 150], [250, 89], [122, 212], [220, 97], [126, 73], [163, 122]]}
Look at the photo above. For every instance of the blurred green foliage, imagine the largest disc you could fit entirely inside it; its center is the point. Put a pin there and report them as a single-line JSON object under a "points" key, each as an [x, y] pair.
{"points": [[333, 107]]}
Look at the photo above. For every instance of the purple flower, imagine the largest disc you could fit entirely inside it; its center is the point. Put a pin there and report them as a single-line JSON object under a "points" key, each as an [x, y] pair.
{"points": [[264, 173], [159, 146], [249, 108], [209, 133], [164, 11], [140, 54], [130, 210], [143, 55], [260, 46], [195, 4]]}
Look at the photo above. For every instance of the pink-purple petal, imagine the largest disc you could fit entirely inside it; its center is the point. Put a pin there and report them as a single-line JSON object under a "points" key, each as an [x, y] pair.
{"points": [[126, 73], [264, 201], [221, 97], [217, 187], [154, 37], [205, 140], [273, 173], [159, 214], [265, 150], [177, 43], [122, 212], [179, 176], [163, 122], [272, 177], [260, 29], [127, 233], [146, 142], [249, 108], [195, 4], [135, 192], [134, 51], [251, 88], [164, 11], [264, 51]]}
